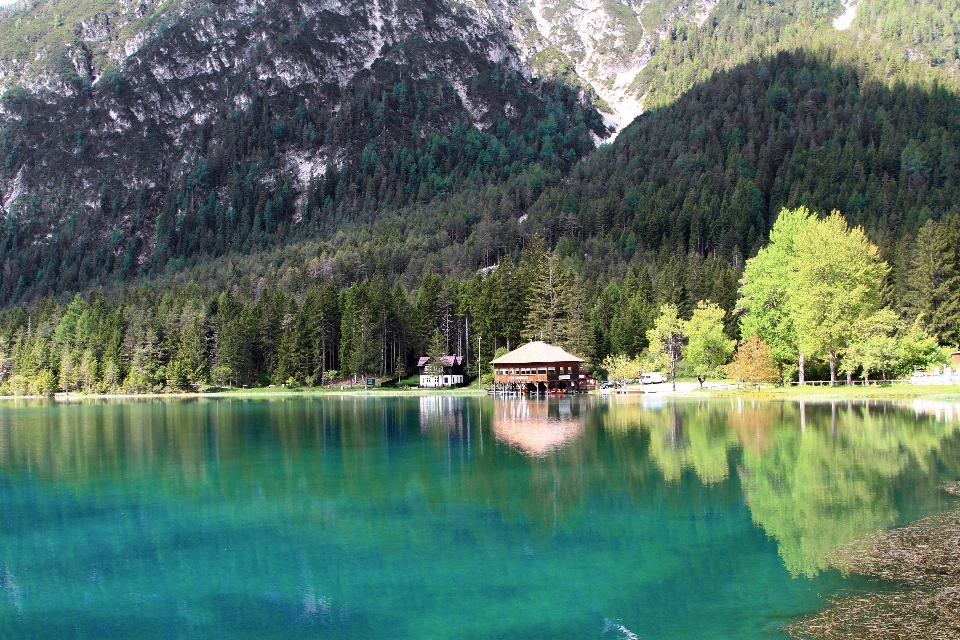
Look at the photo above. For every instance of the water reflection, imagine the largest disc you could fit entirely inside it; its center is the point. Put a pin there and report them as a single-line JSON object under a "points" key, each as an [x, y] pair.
{"points": [[538, 426], [813, 475]]}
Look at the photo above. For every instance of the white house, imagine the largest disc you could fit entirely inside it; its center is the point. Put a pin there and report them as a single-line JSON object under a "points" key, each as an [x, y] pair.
{"points": [[448, 372]]}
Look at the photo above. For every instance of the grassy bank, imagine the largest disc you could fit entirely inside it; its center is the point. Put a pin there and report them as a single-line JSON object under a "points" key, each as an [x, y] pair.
{"points": [[817, 393], [259, 392], [857, 392]]}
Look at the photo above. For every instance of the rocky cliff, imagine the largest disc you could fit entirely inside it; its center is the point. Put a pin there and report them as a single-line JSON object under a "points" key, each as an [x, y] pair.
{"points": [[137, 136], [148, 132]]}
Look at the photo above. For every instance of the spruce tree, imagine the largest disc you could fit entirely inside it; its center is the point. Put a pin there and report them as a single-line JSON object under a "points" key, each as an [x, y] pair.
{"points": [[573, 329], [544, 312], [932, 283]]}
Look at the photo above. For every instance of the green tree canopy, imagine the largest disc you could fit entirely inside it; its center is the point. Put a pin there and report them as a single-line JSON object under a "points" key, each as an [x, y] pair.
{"points": [[666, 340], [620, 367], [835, 285], [708, 348], [765, 292]]}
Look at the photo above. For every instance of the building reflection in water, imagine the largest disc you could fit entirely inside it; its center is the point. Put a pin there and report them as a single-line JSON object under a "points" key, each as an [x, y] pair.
{"points": [[444, 413], [815, 475], [537, 426], [942, 411]]}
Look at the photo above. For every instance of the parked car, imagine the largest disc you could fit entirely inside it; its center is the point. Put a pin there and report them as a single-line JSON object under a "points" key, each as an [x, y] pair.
{"points": [[654, 377]]}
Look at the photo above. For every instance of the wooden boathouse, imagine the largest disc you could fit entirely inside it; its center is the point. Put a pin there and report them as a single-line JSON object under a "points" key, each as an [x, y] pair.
{"points": [[538, 367]]}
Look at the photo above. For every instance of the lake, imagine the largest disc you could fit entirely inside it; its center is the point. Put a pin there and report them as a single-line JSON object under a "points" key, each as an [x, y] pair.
{"points": [[448, 517]]}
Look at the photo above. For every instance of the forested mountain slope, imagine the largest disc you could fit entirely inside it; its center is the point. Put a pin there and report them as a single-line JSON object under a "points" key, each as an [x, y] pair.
{"points": [[636, 55], [215, 139], [705, 176], [272, 192], [710, 172], [236, 126]]}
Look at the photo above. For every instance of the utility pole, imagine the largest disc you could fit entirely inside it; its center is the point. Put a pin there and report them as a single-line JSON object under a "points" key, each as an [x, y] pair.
{"points": [[479, 360]]}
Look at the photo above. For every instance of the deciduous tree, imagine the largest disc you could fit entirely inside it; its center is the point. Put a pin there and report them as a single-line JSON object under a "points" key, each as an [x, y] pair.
{"points": [[708, 348], [835, 285], [666, 340], [754, 363], [620, 368], [765, 292]]}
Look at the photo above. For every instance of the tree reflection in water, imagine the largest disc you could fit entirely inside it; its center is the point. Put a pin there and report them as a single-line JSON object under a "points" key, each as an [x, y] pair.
{"points": [[814, 476]]}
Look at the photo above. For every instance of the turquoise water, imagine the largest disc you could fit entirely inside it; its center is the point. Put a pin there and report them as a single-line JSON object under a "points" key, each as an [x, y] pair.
{"points": [[445, 517]]}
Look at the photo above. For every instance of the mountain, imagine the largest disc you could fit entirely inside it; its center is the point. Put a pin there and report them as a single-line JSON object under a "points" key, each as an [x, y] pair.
{"points": [[295, 188], [152, 133], [633, 54], [709, 173], [142, 138]]}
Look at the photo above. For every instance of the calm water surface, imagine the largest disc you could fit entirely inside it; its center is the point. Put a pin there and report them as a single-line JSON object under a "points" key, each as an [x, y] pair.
{"points": [[444, 517]]}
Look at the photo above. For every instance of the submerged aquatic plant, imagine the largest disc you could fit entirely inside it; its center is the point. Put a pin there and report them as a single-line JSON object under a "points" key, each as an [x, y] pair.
{"points": [[923, 558]]}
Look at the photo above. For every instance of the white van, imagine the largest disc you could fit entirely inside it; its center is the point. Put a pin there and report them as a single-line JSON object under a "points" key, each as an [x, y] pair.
{"points": [[654, 377]]}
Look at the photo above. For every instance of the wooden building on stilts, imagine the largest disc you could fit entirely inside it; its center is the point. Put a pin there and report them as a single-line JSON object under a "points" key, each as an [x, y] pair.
{"points": [[538, 367]]}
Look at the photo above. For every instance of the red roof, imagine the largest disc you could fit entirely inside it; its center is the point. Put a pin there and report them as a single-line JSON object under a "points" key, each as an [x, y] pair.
{"points": [[448, 361]]}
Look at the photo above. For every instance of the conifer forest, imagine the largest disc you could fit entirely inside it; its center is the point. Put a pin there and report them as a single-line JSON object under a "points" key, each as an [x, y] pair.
{"points": [[470, 213]]}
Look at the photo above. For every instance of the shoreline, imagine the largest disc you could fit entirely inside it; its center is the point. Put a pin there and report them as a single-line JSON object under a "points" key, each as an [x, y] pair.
{"points": [[764, 394], [917, 566], [903, 391], [64, 397]]}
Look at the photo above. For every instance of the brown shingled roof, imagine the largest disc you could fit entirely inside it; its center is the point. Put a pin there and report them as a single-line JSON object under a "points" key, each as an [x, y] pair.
{"points": [[536, 352]]}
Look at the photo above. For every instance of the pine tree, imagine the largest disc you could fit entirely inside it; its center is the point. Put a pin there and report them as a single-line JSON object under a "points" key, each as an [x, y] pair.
{"points": [[932, 283], [190, 365], [359, 346], [324, 307], [574, 327], [628, 329], [545, 306], [605, 306]]}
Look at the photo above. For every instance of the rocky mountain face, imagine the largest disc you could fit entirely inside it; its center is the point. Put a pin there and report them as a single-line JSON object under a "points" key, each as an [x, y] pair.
{"points": [[601, 44], [140, 134], [152, 131]]}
